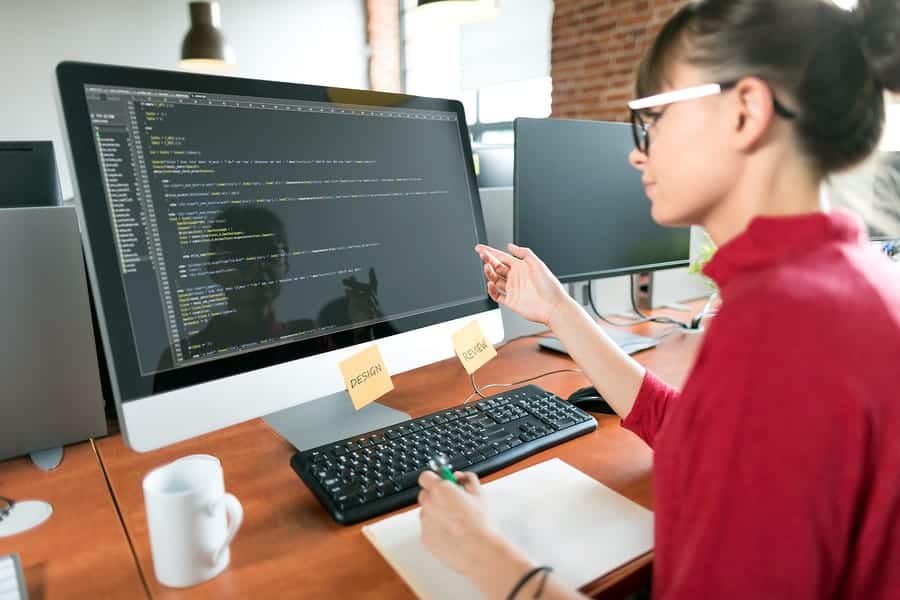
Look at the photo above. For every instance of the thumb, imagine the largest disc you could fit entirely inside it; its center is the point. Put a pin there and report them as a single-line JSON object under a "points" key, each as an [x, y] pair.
{"points": [[521, 252]]}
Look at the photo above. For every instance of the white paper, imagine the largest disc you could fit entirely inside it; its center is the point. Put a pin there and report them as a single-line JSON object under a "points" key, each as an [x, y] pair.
{"points": [[555, 513]]}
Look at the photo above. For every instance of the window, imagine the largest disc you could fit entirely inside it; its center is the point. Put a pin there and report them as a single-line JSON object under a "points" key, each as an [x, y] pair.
{"points": [[497, 106]]}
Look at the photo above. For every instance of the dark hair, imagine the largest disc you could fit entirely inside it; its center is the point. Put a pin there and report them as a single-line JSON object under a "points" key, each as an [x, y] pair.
{"points": [[828, 65]]}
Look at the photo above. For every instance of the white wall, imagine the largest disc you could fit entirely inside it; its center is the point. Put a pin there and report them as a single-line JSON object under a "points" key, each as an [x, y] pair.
{"points": [[513, 47], [444, 58], [310, 41]]}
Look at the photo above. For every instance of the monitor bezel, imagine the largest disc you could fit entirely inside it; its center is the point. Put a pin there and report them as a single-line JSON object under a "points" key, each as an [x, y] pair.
{"points": [[129, 383]]}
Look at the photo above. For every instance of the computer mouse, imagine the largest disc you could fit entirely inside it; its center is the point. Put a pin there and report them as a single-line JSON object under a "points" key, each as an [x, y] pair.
{"points": [[589, 399]]}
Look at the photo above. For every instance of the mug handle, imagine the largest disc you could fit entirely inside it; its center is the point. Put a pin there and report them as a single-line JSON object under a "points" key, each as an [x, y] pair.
{"points": [[235, 513]]}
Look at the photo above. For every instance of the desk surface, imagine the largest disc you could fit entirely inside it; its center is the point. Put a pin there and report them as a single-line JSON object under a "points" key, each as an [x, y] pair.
{"points": [[81, 551], [288, 545]]}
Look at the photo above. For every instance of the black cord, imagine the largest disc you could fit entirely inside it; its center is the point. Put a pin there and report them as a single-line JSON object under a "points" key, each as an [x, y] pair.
{"points": [[605, 319], [698, 318], [540, 591], [642, 317], [527, 577], [637, 310], [506, 385]]}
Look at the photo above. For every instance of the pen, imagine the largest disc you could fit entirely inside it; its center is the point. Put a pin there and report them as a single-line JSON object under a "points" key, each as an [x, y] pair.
{"points": [[440, 465]]}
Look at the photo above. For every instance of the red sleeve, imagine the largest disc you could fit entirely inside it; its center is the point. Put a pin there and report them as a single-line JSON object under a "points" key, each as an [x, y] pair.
{"points": [[758, 484], [650, 406]]}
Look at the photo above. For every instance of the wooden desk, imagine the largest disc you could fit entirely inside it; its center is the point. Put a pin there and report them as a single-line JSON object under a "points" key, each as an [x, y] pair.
{"points": [[289, 546], [81, 551]]}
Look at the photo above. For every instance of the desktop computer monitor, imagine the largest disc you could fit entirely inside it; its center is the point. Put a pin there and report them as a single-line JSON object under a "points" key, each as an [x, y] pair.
{"points": [[243, 237], [581, 206]]}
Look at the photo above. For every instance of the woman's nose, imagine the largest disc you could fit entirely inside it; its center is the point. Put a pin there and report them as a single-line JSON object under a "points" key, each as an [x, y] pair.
{"points": [[637, 159]]}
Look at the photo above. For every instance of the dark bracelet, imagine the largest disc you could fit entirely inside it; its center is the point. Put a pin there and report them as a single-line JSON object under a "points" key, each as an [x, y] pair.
{"points": [[527, 577]]}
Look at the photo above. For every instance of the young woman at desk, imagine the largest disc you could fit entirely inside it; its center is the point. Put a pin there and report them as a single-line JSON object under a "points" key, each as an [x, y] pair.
{"points": [[776, 466]]}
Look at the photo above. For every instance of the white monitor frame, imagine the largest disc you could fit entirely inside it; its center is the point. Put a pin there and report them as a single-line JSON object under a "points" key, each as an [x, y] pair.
{"points": [[147, 423]]}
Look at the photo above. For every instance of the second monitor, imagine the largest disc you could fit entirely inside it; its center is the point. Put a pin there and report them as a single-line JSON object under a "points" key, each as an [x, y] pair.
{"points": [[581, 206]]}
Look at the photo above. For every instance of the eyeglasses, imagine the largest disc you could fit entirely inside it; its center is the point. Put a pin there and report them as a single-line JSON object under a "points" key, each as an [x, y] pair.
{"points": [[643, 118]]}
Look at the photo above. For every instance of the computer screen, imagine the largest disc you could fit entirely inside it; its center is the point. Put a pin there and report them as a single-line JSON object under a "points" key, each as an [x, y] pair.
{"points": [[235, 227], [581, 206]]}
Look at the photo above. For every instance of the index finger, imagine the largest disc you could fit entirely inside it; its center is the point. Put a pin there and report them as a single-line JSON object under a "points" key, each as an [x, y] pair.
{"points": [[494, 256]]}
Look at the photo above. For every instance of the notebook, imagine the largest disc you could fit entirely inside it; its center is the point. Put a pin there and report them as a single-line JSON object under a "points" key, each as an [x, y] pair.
{"points": [[12, 584], [555, 513]]}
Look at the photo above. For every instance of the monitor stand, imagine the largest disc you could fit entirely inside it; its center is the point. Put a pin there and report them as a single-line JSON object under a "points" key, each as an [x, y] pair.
{"points": [[329, 419]]}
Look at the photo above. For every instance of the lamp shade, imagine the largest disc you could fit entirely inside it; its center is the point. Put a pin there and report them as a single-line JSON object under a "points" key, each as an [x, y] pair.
{"points": [[204, 45], [458, 11]]}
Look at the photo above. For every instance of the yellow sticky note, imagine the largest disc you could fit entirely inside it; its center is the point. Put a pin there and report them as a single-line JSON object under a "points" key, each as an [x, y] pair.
{"points": [[366, 377], [472, 348]]}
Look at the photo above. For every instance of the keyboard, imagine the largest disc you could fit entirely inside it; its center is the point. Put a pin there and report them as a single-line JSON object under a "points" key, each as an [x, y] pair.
{"points": [[365, 476]]}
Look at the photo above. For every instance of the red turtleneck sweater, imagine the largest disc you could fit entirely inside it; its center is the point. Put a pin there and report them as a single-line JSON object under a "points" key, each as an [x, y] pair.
{"points": [[777, 466]]}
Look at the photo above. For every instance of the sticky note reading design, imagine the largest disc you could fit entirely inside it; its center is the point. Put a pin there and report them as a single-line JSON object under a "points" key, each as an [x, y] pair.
{"points": [[472, 348], [366, 377]]}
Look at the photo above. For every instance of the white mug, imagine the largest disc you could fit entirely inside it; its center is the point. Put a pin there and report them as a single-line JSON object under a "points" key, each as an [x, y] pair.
{"points": [[186, 516]]}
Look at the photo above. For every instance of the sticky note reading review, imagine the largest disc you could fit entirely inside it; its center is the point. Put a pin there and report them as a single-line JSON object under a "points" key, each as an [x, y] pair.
{"points": [[366, 377], [472, 348]]}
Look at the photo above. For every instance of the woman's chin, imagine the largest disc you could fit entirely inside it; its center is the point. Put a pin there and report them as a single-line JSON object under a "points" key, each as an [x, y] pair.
{"points": [[660, 215], [668, 218]]}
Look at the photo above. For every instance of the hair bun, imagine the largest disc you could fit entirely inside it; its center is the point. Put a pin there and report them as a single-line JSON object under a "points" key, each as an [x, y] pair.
{"points": [[879, 28]]}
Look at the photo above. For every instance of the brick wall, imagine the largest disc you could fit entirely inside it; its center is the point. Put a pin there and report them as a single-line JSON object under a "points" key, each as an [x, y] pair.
{"points": [[597, 46], [383, 30]]}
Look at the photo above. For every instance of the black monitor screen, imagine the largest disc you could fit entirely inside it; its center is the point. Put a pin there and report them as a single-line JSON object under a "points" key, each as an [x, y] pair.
{"points": [[245, 223], [581, 206]]}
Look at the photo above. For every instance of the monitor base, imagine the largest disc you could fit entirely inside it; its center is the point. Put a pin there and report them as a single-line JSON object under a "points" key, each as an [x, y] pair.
{"points": [[329, 419], [47, 460]]}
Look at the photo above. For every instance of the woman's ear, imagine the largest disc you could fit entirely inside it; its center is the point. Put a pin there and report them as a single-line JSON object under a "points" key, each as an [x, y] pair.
{"points": [[754, 112]]}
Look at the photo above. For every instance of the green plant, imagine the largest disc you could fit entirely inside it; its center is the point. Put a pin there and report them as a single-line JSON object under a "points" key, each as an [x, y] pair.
{"points": [[704, 254]]}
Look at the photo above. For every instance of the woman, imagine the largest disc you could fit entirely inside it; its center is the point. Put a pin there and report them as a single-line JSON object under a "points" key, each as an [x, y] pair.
{"points": [[777, 466]]}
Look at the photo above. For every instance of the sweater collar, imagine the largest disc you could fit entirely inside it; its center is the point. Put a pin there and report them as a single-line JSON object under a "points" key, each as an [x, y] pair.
{"points": [[769, 240]]}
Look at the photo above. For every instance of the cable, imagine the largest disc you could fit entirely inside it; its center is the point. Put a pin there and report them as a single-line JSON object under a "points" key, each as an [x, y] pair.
{"points": [[637, 310], [643, 318], [478, 390], [704, 312]]}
